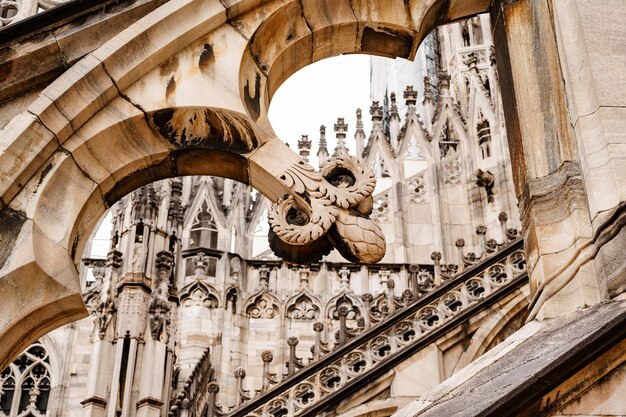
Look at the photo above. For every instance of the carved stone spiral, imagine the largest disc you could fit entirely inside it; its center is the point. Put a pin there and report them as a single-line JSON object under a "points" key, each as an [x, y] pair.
{"points": [[326, 210], [347, 182]]}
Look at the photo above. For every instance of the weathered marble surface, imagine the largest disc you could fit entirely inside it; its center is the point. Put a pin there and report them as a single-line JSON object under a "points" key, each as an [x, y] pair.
{"points": [[515, 375]]}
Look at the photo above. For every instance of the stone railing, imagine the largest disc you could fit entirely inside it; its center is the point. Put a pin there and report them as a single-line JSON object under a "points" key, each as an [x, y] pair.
{"points": [[368, 355]]}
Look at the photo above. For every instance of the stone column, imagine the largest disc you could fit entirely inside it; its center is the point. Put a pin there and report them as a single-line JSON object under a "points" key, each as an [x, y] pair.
{"points": [[590, 39], [154, 360], [102, 347], [547, 175]]}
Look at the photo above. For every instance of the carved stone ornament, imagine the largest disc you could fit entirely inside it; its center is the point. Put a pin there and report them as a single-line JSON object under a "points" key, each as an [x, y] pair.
{"points": [[199, 293], [303, 306], [159, 308], [326, 209], [159, 313], [262, 305]]}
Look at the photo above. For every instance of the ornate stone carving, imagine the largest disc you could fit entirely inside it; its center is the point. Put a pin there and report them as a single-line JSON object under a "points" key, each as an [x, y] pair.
{"points": [[262, 305], [199, 293], [380, 211], [326, 209], [372, 349], [159, 307], [303, 306], [486, 180], [106, 305], [92, 294], [425, 281], [344, 300], [452, 169], [417, 189]]}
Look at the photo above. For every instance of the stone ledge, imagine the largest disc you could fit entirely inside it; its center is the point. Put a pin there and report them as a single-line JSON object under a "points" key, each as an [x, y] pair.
{"points": [[514, 376]]}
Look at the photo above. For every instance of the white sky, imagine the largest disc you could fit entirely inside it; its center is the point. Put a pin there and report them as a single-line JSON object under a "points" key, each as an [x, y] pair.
{"points": [[318, 94]]}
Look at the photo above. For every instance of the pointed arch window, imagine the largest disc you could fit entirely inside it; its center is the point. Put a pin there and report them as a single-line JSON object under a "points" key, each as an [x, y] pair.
{"points": [[25, 384], [448, 141], [203, 233], [484, 138]]}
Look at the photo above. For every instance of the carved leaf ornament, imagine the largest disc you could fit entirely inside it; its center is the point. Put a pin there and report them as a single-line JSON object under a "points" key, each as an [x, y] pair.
{"points": [[327, 209]]}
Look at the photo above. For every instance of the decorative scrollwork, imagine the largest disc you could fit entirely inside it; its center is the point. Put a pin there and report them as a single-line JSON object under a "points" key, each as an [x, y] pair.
{"points": [[356, 362], [348, 182], [331, 378], [304, 394], [429, 317], [324, 210], [498, 274]]}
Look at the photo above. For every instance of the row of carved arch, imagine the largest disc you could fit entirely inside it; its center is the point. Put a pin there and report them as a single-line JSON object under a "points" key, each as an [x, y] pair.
{"points": [[303, 305], [306, 306]]}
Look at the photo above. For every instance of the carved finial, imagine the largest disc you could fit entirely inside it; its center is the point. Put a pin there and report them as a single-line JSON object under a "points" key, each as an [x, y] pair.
{"points": [[322, 152], [322, 136], [435, 256], [459, 243], [376, 111], [341, 129], [213, 387], [114, 259], [318, 327], [200, 261], [428, 90], [164, 261], [410, 95], [502, 217], [393, 110], [267, 356], [293, 341], [240, 373], [304, 145], [481, 229], [359, 120]]}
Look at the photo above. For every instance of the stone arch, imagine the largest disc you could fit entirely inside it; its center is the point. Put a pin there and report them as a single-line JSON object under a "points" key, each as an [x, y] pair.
{"points": [[262, 305], [51, 151], [303, 305], [200, 293], [355, 306]]}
